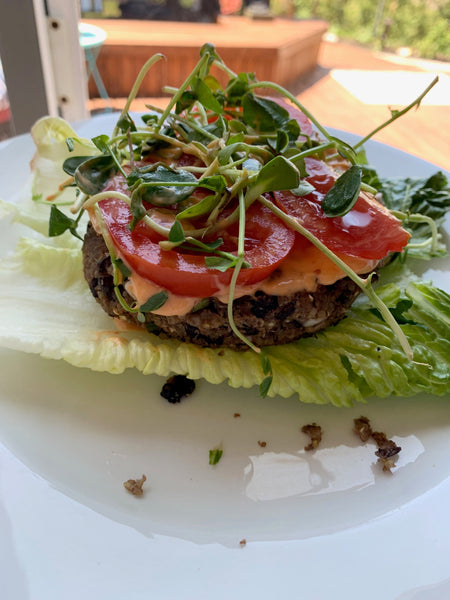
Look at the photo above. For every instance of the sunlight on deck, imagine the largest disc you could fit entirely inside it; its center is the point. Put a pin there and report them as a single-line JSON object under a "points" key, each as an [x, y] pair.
{"points": [[393, 87]]}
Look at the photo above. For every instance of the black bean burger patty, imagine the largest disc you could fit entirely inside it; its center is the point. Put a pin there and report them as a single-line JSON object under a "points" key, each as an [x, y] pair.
{"points": [[265, 320]]}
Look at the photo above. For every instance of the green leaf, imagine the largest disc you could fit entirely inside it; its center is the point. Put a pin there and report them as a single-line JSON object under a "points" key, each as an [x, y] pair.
{"points": [[424, 196], [398, 312], [215, 455], [206, 97], [217, 183], [292, 129], [101, 141], [226, 153], [237, 127], [267, 370], [154, 302], [203, 207], [278, 174], [430, 197], [216, 128], [340, 199], [299, 162], [237, 87], [235, 139], [186, 101], [150, 118], [137, 210], [281, 142], [92, 174], [262, 114], [59, 223], [71, 164], [369, 175], [160, 185], [265, 386], [176, 233], [205, 246], [213, 83], [220, 263], [126, 123], [123, 268]]}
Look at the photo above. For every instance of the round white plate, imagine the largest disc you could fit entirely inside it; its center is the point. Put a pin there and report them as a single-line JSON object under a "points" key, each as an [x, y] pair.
{"points": [[269, 520]]}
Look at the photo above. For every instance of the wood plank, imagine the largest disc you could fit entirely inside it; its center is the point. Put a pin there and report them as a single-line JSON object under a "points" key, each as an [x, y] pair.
{"points": [[424, 132], [279, 50]]}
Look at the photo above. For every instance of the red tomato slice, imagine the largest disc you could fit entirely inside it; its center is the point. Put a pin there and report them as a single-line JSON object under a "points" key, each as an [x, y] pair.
{"points": [[368, 230], [268, 241]]}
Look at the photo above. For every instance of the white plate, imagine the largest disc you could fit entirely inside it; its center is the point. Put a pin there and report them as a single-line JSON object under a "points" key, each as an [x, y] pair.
{"points": [[321, 525]]}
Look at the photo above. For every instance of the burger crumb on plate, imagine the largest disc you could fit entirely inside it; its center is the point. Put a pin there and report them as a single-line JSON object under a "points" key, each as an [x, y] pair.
{"points": [[314, 432], [135, 486], [387, 449], [177, 387]]}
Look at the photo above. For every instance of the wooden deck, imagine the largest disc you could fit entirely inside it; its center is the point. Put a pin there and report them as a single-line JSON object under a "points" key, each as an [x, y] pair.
{"points": [[424, 132], [277, 50]]}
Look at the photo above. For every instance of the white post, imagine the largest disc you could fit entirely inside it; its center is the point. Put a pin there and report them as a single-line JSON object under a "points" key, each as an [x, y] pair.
{"points": [[67, 58], [43, 61]]}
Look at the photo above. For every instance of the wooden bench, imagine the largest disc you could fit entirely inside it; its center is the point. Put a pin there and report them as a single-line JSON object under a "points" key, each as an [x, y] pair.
{"points": [[277, 50]]}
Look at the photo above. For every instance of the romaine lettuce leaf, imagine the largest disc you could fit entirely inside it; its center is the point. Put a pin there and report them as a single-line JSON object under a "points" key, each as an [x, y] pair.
{"points": [[46, 308]]}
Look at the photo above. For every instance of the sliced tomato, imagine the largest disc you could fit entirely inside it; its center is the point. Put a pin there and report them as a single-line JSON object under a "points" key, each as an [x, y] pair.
{"points": [[267, 242], [368, 230]]}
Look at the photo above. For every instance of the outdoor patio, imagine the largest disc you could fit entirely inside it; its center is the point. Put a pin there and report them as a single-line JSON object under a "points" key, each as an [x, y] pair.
{"points": [[341, 87]]}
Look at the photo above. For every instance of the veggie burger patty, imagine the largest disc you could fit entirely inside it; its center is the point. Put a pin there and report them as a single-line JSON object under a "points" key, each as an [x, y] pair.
{"points": [[264, 319]]}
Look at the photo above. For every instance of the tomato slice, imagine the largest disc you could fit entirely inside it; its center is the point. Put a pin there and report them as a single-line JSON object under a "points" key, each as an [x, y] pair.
{"points": [[267, 242], [368, 230]]}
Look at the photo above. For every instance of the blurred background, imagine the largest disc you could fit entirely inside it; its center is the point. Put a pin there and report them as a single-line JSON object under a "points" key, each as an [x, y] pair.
{"points": [[347, 61]]}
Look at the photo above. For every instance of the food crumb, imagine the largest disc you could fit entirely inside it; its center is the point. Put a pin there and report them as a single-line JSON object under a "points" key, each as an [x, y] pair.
{"points": [[243, 543], [135, 486], [314, 432], [387, 449], [262, 444], [177, 387], [362, 428]]}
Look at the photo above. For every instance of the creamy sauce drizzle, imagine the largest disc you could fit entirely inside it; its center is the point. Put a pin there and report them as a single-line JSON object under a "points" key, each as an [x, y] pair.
{"points": [[301, 271]]}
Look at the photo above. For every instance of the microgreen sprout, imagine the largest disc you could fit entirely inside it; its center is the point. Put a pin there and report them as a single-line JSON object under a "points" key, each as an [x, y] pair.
{"points": [[242, 148]]}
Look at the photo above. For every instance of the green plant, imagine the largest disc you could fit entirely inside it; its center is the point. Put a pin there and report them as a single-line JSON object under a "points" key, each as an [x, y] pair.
{"points": [[422, 25]]}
